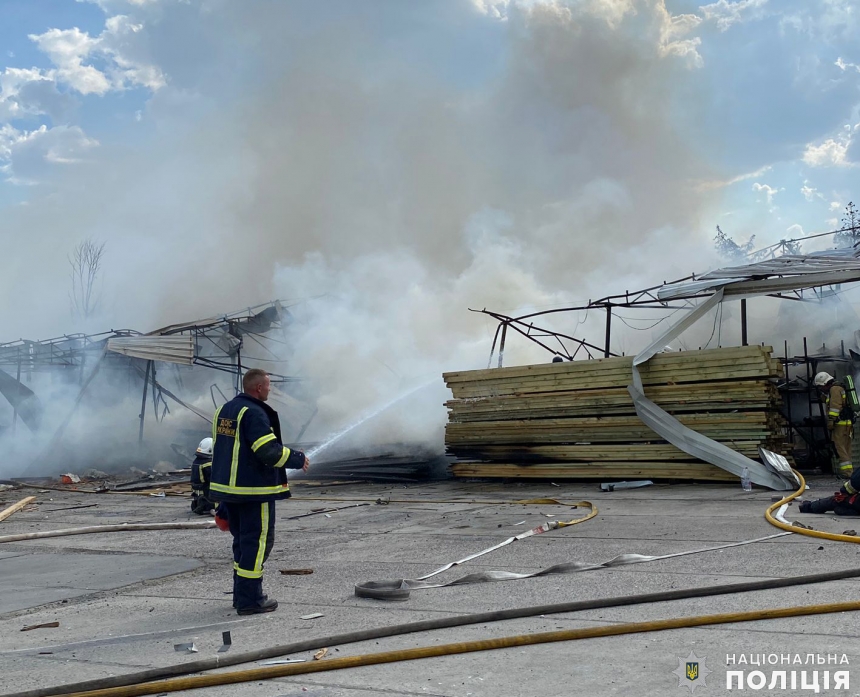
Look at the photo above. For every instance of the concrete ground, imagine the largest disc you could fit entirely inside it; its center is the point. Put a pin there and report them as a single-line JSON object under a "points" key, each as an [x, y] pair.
{"points": [[123, 600]]}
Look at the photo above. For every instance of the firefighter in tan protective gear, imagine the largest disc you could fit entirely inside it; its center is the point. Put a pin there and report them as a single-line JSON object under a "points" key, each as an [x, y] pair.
{"points": [[840, 419]]}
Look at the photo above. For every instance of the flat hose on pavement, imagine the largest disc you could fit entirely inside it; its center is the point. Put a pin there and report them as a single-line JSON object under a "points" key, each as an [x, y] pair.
{"points": [[151, 674], [269, 673]]}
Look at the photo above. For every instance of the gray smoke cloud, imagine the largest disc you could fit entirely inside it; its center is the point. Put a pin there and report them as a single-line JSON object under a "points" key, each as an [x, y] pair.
{"points": [[390, 165]]}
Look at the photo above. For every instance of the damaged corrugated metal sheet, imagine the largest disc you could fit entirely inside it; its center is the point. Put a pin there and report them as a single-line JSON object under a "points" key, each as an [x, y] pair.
{"points": [[168, 349], [682, 437], [772, 276]]}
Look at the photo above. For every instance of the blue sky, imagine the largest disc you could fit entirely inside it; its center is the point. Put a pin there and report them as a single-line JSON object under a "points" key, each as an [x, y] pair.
{"points": [[341, 128]]}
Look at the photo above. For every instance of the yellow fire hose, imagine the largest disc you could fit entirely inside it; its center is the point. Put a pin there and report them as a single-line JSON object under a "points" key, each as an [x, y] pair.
{"points": [[803, 531], [269, 673]]}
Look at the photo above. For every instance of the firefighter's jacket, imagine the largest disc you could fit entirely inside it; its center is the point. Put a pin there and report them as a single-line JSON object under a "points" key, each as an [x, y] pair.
{"points": [[248, 457], [838, 410], [849, 492], [201, 473]]}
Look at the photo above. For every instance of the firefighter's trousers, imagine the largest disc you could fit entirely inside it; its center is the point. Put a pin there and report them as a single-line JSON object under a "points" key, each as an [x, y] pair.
{"points": [[841, 436], [253, 528], [832, 503]]}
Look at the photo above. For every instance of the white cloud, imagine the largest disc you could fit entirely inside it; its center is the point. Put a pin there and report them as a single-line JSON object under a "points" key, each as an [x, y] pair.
{"points": [[672, 43], [795, 230], [843, 65], [120, 47], [67, 49], [496, 9], [810, 193], [833, 152], [717, 184], [835, 205], [26, 156], [769, 191], [31, 92], [726, 13]]}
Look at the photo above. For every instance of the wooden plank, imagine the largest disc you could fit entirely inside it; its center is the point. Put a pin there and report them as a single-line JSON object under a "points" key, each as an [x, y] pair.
{"points": [[741, 353], [627, 452], [503, 375], [600, 380], [742, 395], [15, 507], [601, 471]]}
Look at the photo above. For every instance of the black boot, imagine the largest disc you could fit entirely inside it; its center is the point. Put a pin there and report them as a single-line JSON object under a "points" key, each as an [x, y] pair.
{"points": [[264, 606], [248, 598]]}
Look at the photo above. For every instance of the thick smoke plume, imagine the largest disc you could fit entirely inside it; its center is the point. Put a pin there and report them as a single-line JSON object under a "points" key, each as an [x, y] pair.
{"points": [[385, 166]]}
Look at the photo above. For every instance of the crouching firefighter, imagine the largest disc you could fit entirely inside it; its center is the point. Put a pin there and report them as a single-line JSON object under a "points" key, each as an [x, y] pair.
{"points": [[201, 474], [846, 501], [248, 476], [840, 419]]}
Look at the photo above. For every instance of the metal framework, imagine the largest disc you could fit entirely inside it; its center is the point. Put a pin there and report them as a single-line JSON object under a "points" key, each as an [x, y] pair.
{"points": [[764, 278], [218, 344]]}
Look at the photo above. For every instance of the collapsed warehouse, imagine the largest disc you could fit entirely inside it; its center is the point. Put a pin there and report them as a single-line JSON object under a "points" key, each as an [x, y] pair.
{"points": [[124, 399], [47, 383], [659, 415], [663, 413]]}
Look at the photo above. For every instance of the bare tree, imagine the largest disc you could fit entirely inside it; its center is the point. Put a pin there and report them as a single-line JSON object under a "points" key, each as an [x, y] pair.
{"points": [[86, 261], [731, 250], [849, 233]]}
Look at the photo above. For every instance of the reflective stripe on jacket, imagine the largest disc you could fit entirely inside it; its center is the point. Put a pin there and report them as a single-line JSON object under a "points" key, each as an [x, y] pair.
{"points": [[835, 402], [248, 458]]}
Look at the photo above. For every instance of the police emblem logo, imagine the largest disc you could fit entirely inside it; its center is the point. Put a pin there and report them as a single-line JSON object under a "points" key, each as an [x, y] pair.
{"points": [[691, 672], [226, 427]]}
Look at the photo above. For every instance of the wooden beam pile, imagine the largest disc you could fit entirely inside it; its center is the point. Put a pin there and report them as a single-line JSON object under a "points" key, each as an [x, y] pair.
{"points": [[576, 419]]}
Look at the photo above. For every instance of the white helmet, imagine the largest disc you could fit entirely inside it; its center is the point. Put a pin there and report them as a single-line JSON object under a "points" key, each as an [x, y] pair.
{"points": [[205, 447], [822, 379]]}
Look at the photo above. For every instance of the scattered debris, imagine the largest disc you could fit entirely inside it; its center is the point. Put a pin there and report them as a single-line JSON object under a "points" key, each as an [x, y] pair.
{"points": [[93, 473], [554, 484], [296, 572], [70, 478], [188, 648], [615, 486], [281, 661], [522, 522], [850, 532], [68, 508], [159, 494], [45, 625], [801, 525], [320, 654], [6, 487], [227, 642], [15, 507], [311, 617]]}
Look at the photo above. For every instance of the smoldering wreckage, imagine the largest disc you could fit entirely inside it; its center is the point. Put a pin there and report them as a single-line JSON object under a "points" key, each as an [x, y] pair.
{"points": [[755, 414]]}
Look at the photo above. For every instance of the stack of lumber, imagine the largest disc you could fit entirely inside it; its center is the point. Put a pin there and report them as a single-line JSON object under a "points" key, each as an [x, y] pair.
{"points": [[576, 419]]}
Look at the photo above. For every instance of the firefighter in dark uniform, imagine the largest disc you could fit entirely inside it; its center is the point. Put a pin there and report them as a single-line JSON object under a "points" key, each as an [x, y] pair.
{"points": [[846, 501], [200, 476], [248, 476]]}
